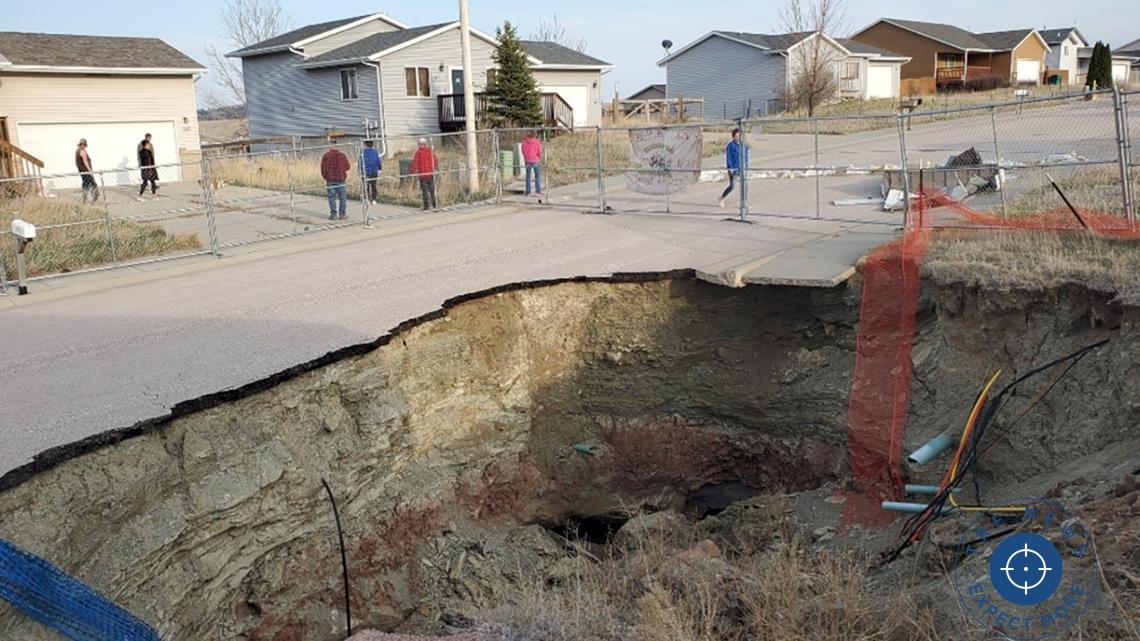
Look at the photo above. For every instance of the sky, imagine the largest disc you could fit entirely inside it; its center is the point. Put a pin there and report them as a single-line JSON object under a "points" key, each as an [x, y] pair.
{"points": [[625, 33]]}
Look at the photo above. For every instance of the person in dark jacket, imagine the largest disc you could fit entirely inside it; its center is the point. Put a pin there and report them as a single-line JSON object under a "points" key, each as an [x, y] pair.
{"points": [[734, 163], [146, 167], [370, 161], [86, 172]]}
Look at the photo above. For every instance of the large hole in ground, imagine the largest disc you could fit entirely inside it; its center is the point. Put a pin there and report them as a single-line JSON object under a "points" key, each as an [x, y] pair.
{"points": [[462, 441]]}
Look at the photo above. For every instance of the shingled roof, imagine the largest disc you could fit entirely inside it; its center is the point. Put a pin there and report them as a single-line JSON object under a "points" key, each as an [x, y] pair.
{"points": [[371, 45], [774, 42], [552, 53], [960, 38], [1004, 40], [863, 49], [48, 50], [296, 35], [1058, 36]]}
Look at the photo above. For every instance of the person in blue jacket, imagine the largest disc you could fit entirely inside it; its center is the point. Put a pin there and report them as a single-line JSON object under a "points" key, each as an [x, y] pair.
{"points": [[733, 164], [370, 161]]}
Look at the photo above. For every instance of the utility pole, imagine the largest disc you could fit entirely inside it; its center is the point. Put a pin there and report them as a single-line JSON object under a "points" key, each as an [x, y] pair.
{"points": [[468, 99]]}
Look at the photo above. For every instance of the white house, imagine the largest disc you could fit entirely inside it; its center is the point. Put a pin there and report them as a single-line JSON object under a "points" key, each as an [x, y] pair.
{"points": [[747, 74], [56, 89], [1065, 46], [375, 75]]}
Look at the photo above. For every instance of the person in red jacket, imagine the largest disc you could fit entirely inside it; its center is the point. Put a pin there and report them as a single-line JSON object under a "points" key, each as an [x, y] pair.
{"points": [[424, 165], [532, 158], [334, 169]]}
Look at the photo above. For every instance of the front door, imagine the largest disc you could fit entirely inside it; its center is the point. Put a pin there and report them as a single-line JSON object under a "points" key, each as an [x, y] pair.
{"points": [[457, 93]]}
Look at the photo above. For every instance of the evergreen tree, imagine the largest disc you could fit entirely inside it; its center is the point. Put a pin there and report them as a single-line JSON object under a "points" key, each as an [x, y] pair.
{"points": [[512, 93], [1100, 67]]}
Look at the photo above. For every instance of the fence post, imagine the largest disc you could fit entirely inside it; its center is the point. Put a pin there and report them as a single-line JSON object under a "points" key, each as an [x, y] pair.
{"points": [[208, 198], [1122, 150], [997, 160], [107, 217], [602, 207], [743, 164], [292, 191], [816, 165], [498, 165], [905, 169]]}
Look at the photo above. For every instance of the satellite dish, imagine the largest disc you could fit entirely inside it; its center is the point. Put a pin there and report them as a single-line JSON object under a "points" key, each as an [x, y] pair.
{"points": [[667, 44]]}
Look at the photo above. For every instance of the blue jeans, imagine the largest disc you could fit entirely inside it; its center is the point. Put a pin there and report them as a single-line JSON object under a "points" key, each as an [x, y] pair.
{"points": [[338, 192], [533, 166]]}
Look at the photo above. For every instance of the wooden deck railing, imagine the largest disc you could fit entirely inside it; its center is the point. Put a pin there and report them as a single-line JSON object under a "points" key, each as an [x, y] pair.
{"points": [[16, 163], [962, 74], [556, 111]]}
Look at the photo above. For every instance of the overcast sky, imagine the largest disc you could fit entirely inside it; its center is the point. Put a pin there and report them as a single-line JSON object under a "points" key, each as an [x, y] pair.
{"points": [[626, 33]]}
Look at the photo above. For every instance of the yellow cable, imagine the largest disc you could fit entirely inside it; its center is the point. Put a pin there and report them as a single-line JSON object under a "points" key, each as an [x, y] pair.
{"points": [[966, 432]]}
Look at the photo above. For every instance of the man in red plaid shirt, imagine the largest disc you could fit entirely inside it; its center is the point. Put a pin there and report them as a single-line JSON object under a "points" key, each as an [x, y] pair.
{"points": [[334, 169]]}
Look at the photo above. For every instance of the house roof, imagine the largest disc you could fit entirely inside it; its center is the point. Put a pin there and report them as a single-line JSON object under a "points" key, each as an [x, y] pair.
{"points": [[1058, 36], [59, 52], [374, 44], [654, 87], [944, 33], [862, 49], [1132, 48], [309, 33], [552, 53], [1004, 40], [773, 42]]}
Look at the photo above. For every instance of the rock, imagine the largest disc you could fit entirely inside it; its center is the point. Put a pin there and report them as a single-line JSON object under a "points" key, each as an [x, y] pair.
{"points": [[835, 499], [959, 193], [700, 553], [667, 525], [1127, 485], [981, 184], [894, 200], [823, 534]]}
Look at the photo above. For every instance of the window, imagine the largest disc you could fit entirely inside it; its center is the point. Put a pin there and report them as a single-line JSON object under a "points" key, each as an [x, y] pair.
{"points": [[1066, 50], [348, 87], [491, 74], [417, 81], [850, 70], [951, 60]]}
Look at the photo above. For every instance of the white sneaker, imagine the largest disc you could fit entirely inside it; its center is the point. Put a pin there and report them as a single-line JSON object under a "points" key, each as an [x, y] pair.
{"points": [[720, 204], [140, 199]]}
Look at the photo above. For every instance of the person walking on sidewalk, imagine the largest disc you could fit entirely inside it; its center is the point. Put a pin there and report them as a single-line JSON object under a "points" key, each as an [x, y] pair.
{"points": [[370, 160], [532, 158], [424, 165], [334, 169], [735, 162], [146, 167], [84, 165]]}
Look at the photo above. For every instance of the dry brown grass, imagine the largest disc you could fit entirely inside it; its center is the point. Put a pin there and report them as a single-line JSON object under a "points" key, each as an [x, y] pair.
{"points": [[1097, 188], [649, 593], [81, 246], [1035, 260]]}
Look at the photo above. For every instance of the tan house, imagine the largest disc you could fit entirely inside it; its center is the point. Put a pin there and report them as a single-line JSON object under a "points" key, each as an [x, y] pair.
{"points": [[943, 55], [56, 89]]}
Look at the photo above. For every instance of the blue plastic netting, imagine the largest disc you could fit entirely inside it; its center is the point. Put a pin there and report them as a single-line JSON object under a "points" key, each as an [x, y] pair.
{"points": [[48, 595]]}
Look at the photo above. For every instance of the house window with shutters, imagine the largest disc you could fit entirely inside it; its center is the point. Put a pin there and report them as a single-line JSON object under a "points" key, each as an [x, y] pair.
{"points": [[349, 90], [417, 82], [850, 70]]}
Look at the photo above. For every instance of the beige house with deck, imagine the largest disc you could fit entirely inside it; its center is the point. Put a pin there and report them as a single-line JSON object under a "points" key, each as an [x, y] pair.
{"points": [[56, 89]]}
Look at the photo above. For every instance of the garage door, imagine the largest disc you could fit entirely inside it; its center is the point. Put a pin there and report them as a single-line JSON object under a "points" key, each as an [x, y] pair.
{"points": [[1028, 70], [113, 146], [1120, 72], [578, 97], [880, 81]]}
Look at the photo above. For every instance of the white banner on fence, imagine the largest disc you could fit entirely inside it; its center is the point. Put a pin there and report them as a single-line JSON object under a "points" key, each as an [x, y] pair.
{"points": [[670, 157]]}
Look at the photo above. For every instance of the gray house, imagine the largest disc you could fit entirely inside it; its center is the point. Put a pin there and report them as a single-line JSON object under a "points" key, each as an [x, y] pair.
{"points": [[742, 74], [374, 75]]}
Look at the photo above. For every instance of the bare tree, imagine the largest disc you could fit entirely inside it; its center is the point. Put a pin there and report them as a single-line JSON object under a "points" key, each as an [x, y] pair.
{"points": [[246, 22], [554, 31], [813, 64]]}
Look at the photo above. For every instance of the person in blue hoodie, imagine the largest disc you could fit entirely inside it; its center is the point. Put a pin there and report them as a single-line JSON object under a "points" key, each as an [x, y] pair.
{"points": [[732, 162], [370, 161]]}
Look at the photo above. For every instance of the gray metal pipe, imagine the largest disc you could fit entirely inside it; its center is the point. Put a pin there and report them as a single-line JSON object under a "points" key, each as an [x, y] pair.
{"points": [[925, 490], [912, 508], [933, 448]]}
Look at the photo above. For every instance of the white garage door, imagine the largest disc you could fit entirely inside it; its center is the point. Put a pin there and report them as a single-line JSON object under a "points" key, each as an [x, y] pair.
{"points": [[578, 97], [1120, 72], [111, 145], [880, 81], [1028, 70]]}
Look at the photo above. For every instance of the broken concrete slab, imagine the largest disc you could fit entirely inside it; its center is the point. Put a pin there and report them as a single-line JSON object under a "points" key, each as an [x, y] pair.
{"points": [[959, 193], [894, 200]]}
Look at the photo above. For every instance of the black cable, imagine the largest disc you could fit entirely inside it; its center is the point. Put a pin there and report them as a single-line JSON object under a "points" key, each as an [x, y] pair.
{"points": [[343, 558], [916, 525]]}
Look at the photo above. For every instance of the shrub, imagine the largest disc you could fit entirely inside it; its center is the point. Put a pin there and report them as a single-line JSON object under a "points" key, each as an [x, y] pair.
{"points": [[988, 82]]}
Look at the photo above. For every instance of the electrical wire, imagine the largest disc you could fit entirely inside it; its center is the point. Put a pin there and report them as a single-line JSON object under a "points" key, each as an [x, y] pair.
{"points": [[969, 450]]}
